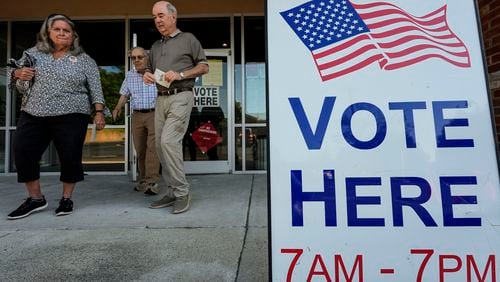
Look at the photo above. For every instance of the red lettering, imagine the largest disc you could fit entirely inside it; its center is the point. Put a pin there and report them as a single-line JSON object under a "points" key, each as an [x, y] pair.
{"points": [[323, 272], [298, 253], [443, 270], [471, 263], [358, 266], [428, 253]]}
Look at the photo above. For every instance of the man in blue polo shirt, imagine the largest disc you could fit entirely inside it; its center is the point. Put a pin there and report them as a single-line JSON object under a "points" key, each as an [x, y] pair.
{"points": [[143, 99]]}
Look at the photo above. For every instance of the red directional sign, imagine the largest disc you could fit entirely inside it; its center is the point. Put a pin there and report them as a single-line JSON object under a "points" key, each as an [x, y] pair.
{"points": [[206, 137]]}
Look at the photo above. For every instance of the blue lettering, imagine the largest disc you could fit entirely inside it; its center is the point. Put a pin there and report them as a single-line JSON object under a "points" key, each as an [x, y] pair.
{"points": [[409, 122], [313, 140], [353, 201], [398, 186], [440, 123], [449, 200], [299, 197], [379, 119], [398, 201]]}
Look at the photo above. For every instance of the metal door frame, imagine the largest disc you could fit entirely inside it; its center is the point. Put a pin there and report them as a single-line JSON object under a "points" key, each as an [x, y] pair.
{"points": [[221, 166]]}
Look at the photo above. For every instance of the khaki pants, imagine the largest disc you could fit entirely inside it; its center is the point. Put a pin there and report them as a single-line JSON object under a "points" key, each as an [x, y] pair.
{"points": [[171, 121], [143, 134]]}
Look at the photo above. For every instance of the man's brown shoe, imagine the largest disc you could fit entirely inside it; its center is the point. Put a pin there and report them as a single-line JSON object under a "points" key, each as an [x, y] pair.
{"points": [[152, 189], [166, 201], [141, 186], [181, 204]]}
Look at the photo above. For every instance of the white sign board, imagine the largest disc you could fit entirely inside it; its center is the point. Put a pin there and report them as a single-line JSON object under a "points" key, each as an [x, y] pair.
{"points": [[392, 173], [206, 96]]}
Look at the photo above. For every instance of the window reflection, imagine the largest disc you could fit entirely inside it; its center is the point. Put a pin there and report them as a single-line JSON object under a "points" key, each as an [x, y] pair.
{"points": [[23, 37], [111, 81], [237, 71], [255, 99], [3, 73], [253, 142], [3, 92], [2, 150], [237, 94], [104, 150], [209, 116]]}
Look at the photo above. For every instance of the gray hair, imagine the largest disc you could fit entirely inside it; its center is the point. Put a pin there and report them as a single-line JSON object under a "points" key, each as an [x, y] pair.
{"points": [[144, 51], [171, 8], [44, 43]]}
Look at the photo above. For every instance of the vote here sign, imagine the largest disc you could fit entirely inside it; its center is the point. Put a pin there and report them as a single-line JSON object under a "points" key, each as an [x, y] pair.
{"points": [[206, 96], [382, 152]]}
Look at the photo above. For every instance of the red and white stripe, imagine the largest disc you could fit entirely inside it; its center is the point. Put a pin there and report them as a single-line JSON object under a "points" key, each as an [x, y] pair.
{"points": [[406, 40]]}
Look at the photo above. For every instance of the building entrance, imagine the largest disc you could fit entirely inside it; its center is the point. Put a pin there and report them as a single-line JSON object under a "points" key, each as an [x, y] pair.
{"points": [[228, 129], [207, 144]]}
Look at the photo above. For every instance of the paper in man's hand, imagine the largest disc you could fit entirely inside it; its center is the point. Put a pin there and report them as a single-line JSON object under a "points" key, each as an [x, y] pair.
{"points": [[159, 77]]}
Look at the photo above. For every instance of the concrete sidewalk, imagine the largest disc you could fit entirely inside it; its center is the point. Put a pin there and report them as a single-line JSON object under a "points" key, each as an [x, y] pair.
{"points": [[113, 235]]}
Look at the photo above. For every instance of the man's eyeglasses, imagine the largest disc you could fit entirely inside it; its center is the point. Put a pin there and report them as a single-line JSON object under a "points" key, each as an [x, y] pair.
{"points": [[133, 58]]}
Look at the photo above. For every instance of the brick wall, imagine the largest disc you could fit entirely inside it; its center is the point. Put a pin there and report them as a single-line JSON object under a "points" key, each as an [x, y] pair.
{"points": [[489, 12]]}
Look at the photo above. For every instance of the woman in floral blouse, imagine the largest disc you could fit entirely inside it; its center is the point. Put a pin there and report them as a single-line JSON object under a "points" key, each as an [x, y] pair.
{"points": [[60, 85]]}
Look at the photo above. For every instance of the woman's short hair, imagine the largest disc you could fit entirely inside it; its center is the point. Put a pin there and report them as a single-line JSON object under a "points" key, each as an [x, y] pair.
{"points": [[45, 44]]}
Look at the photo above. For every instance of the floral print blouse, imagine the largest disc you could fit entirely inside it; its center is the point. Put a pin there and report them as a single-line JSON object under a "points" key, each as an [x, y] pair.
{"points": [[69, 84]]}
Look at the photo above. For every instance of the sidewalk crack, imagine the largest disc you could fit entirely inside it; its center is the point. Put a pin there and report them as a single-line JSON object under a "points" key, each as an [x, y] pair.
{"points": [[246, 229]]}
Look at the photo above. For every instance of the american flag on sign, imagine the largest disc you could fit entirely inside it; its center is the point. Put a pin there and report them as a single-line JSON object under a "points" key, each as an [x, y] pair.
{"points": [[345, 37]]}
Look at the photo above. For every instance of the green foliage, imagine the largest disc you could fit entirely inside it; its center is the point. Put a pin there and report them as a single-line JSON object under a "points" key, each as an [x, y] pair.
{"points": [[111, 82]]}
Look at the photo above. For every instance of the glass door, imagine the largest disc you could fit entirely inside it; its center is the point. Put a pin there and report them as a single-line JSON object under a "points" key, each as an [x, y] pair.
{"points": [[207, 143]]}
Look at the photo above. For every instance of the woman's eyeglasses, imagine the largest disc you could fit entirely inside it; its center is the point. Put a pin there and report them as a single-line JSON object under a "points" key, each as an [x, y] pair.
{"points": [[133, 58]]}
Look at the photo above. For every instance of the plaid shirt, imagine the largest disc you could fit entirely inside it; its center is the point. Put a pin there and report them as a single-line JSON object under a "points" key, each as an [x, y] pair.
{"points": [[143, 95]]}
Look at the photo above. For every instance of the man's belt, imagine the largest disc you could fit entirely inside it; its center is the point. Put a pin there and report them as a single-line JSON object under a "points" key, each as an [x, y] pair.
{"points": [[173, 91], [145, 110]]}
